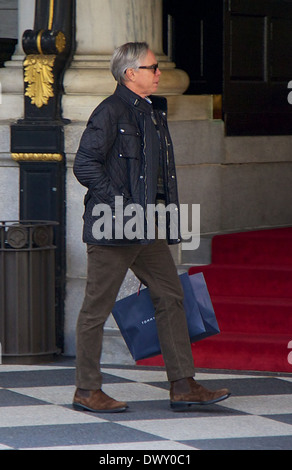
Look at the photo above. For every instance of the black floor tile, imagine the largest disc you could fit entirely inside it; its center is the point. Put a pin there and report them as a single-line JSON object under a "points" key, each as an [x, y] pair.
{"points": [[37, 378], [70, 435], [248, 443], [9, 398]]}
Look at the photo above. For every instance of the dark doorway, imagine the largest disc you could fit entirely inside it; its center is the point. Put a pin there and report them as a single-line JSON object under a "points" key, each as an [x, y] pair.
{"points": [[258, 67], [240, 49], [193, 37]]}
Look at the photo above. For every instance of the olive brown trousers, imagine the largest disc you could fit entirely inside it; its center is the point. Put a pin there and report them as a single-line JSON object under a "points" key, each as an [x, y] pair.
{"points": [[154, 266]]}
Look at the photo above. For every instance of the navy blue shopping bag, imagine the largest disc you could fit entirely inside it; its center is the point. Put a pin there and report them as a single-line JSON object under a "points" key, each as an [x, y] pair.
{"points": [[205, 305], [135, 317]]}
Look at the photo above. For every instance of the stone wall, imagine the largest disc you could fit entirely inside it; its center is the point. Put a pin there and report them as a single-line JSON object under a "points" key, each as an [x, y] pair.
{"points": [[9, 177], [8, 19]]}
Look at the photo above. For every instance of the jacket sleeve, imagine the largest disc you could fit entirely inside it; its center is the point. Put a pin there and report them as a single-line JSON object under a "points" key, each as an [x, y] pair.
{"points": [[90, 161]]}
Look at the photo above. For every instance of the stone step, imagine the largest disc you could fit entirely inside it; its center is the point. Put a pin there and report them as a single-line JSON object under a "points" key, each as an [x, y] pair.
{"points": [[190, 107]]}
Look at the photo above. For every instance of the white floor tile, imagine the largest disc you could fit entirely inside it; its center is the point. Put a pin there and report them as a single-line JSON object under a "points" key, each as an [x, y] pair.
{"points": [[62, 395], [205, 376], [135, 392], [138, 375], [43, 415], [24, 368], [152, 445], [261, 404], [212, 428]]}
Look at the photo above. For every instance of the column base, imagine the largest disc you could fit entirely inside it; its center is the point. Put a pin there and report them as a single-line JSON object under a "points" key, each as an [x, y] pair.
{"points": [[12, 100], [89, 81], [180, 107]]}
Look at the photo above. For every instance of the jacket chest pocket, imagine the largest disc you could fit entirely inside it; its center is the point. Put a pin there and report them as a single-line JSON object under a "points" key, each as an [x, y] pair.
{"points": [[130, 141]]}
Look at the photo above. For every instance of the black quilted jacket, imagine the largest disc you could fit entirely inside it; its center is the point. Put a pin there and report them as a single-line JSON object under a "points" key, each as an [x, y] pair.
{"points": [[118, 156]]}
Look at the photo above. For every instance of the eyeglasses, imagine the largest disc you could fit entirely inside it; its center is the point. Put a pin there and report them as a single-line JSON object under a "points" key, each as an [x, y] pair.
{"points": [[153, 67]]}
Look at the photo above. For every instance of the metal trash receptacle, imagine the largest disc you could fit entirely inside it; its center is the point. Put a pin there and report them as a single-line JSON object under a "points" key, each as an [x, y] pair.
{"points": [[27, 292]]}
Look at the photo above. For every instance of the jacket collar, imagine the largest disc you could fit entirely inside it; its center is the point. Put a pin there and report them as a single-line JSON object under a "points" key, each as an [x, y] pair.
{"points": [[133, 99]]}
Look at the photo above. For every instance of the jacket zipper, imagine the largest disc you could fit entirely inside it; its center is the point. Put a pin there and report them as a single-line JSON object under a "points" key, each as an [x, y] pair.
{"points": [[167, 175], [145, 169]]}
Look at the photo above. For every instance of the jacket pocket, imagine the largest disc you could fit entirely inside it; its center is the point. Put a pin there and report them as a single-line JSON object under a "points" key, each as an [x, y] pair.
{"points": [[130, 141]]}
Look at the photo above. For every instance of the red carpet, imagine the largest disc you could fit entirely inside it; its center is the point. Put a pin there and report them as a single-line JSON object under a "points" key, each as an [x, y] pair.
{"points": [[250, 284]]}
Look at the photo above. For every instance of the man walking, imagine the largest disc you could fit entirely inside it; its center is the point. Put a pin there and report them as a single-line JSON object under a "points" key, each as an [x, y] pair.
{"points": [[126, 152]]}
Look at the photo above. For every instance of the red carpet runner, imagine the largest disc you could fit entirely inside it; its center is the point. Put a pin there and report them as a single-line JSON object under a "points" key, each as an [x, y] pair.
{"points": [[250, 284]]}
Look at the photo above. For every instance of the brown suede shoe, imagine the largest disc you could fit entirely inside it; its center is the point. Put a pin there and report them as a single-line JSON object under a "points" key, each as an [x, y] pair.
{"points": [[97, 401], [187, 392]]}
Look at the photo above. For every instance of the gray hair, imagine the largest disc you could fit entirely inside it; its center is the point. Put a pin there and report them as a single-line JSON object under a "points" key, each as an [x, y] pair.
{"points": [[127, 56]]}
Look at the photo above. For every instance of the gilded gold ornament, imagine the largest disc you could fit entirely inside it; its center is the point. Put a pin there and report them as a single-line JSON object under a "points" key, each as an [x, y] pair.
{"points": [[38, 73], [37, 157]]}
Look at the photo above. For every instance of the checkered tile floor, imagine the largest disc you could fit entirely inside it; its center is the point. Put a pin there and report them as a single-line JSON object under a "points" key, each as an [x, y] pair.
{"points": [[36, 412]]}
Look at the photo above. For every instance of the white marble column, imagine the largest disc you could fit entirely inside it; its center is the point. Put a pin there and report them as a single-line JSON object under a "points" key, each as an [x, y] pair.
{"points": [[103, 25], [11, 77]]}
